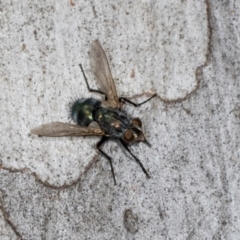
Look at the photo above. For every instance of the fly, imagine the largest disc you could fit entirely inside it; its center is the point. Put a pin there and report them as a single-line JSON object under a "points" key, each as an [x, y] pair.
{"points": [[96, 118]]}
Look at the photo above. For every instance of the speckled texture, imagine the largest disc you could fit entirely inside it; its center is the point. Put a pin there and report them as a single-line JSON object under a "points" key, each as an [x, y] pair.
{"points": [[60, 188]]}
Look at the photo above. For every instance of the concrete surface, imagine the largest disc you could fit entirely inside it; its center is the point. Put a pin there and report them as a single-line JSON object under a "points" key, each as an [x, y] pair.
{"points": [[61, 188]]}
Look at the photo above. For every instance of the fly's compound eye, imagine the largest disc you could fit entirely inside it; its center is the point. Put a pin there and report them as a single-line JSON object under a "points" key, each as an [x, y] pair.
{"points": [[128, 136], [137, 122]]}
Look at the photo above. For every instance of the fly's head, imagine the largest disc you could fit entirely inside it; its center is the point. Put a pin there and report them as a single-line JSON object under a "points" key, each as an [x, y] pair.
{"points": [[134, 133]]}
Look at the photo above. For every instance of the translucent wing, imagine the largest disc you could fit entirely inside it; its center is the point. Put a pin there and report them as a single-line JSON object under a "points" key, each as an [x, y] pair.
{"points": [[101, 70], [59, 129]]}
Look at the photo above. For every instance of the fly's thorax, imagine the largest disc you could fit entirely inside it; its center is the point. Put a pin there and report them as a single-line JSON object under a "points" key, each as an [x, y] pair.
{"points": [[112, 121], [81, 110]]}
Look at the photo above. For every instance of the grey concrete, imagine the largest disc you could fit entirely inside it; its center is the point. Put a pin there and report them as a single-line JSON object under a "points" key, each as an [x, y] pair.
{"points": [[186, 51]]}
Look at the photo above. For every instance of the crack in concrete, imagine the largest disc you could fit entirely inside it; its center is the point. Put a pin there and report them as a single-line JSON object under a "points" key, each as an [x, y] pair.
{"points": [[46, 183], [199, 69], [8, 221]]}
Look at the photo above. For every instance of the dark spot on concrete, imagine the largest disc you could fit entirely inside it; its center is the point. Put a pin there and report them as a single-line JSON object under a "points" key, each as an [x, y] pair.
{"points": [[35, 34], [130, 221], [162, 213], [24, 47]]}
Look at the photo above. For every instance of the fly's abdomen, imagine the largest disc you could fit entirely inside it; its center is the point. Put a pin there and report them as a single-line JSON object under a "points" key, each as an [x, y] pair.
{"points": [[81, 111]]}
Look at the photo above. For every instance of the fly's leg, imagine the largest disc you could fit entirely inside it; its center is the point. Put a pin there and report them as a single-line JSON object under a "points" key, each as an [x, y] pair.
{"points": [[89, 89], [137, 160], [99, 144], [136, 104]]}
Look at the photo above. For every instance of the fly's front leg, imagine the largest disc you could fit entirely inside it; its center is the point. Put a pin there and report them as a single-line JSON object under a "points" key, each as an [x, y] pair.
{"points": [[121, 99], [90, 89], [103, 140], [137, 160]]}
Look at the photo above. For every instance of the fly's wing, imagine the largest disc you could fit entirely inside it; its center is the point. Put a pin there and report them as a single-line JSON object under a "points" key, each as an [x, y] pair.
{"points": [[59, 129], [101, 70]]}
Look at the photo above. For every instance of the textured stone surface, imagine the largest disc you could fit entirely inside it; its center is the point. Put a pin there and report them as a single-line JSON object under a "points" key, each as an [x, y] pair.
{"points": [[187, 52]]}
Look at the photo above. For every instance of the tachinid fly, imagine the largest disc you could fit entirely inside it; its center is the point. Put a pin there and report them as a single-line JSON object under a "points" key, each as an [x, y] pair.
{"points": [[95, 118]]}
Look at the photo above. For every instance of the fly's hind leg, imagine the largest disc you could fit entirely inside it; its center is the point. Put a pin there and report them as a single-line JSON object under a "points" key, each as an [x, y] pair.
{"points": [[121, 99], [99, 144], [137, 160], [90, 89]]}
